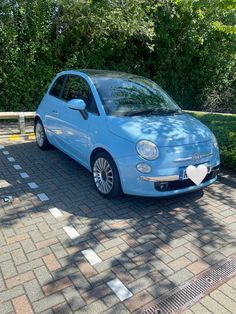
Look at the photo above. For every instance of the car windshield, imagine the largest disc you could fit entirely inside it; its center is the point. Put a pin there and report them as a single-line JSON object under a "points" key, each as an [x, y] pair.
{"points": [[131, 96]]}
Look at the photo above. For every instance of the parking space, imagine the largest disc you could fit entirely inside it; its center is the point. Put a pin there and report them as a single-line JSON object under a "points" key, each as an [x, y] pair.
{"points": [[65, 249]]}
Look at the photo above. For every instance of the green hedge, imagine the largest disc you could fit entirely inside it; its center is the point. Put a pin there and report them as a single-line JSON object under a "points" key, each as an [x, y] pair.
{"points": [[188, 47], [224, 128]]}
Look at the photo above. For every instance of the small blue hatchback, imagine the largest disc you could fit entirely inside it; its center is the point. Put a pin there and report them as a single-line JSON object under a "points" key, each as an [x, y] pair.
{"points": [[128, 132]]}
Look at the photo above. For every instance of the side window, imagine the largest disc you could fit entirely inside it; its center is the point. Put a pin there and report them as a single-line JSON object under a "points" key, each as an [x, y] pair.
{"points": [[56, 88], [77, 88]]}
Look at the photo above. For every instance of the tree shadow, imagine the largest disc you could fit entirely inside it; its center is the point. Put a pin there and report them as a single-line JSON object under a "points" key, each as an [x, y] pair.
{"points": [[139, 239]]}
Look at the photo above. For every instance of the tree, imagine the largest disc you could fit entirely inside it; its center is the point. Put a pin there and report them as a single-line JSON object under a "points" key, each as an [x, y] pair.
{"points": [[187, 46]]}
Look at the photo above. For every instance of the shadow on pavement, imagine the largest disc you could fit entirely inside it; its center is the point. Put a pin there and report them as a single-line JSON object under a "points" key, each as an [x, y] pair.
{"points": [[138, 239]]}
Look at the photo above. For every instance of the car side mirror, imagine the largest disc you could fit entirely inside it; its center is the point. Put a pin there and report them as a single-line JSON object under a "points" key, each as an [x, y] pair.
{"points": [[76, 104]]}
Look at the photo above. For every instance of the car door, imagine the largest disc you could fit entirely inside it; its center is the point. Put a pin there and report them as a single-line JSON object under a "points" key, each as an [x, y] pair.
{"points": [[52, 101], [73, 125]]}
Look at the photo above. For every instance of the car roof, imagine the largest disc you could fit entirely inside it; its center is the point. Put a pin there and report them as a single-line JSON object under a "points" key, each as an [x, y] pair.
{"points": [[91, 72], [100, 73]]}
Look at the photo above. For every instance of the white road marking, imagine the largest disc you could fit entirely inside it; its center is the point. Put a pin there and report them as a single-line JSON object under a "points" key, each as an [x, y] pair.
{"points": [[43, 197], [119, 289], [91, 256], [33, 185], [17, 167], [24, 175], [4, 184], [11, 159], [55, 212], [1, 147], [5, 152], [71, 231]]}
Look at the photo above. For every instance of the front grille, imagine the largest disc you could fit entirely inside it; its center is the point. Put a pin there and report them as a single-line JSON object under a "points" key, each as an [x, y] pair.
{"points": [[183, 184]]}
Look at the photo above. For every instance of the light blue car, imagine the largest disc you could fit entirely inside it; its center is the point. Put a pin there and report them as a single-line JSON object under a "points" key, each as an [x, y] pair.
{"points": [[128, 132]]}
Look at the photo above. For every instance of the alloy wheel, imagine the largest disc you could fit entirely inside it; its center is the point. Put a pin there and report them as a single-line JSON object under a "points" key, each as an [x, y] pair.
{"points": [[103, 175], [39, 132]]}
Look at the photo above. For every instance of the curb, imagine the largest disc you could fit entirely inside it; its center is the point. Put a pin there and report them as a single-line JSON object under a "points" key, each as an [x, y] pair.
{"points": [[18, 137]]}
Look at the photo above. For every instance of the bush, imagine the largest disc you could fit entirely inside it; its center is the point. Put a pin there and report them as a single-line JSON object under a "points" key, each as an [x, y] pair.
{"points": [[224, 128], [221, 99], [188, 47]]}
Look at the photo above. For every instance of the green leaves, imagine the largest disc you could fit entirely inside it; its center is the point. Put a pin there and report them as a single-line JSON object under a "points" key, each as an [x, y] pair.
{"points": [[187, 46], [224, 128], [227, 29]]}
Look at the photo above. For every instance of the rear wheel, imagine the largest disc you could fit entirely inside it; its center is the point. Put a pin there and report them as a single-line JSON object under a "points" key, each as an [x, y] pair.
{"points": [[40, 135], [106, 176]]}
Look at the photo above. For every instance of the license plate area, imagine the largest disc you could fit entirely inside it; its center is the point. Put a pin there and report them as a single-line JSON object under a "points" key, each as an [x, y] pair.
{"points": [[183, 174]]}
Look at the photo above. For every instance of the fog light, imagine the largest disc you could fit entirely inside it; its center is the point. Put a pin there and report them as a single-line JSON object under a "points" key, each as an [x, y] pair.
{"points": [[161, 186], [144, 168]]}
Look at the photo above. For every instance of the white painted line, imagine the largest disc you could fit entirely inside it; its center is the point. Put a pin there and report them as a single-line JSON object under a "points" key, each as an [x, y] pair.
{"points": [[55, 212], [5, 152], [11, 159], [24, 175], [120, 289], [33, 185], [91, 256], [71, 231], [17, 167], [1, 146], [43, 197]]}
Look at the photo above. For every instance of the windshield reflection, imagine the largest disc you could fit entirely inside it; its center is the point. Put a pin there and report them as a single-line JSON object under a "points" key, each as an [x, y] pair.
{"points": [[130, 96]]}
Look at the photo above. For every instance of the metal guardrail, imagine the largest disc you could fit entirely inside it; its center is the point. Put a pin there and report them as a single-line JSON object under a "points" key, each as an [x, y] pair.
{"points": [[20, 116], [207, 112]]}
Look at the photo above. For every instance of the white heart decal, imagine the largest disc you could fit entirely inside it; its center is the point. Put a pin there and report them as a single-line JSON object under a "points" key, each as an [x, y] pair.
{"points": [[196, 174]]}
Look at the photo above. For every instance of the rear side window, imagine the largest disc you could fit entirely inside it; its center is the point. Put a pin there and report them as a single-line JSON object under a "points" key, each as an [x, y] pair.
{"points": [[56, 88]]}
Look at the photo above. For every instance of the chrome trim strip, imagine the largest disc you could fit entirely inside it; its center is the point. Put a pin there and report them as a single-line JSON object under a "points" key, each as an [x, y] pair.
{"points": [[160, 179], [183, 159], [206, 155], [190, 158]]}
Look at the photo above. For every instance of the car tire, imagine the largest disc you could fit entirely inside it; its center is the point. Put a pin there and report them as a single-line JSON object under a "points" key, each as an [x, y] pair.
{"points": [[106, 176], [40, 136]]}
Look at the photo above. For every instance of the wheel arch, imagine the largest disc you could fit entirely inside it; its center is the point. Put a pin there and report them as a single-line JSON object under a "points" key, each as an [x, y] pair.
{"points": [[98, 150], [37, 118]]}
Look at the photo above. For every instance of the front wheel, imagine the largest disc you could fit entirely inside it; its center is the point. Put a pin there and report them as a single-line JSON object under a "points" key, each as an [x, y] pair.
{"points": [[40, 135], [106, 176]]}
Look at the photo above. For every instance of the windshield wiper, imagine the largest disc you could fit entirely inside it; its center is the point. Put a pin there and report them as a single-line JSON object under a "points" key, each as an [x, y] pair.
{"points": [[139, 113], [152, 111]]}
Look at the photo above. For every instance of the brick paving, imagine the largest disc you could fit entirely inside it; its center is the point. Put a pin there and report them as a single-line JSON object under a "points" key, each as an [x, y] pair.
{"points": [[150, 245]]}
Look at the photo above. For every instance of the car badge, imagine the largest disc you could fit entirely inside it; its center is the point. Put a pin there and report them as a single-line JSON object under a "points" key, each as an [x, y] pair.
{"points": [[195, 157]]}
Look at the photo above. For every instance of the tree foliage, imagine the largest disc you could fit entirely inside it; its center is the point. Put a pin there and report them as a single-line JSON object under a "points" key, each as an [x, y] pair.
{"points": [[187, 46]]}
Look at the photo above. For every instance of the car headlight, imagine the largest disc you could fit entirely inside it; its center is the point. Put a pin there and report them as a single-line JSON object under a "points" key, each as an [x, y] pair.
{"points": [[147, 150], [215, 141]]}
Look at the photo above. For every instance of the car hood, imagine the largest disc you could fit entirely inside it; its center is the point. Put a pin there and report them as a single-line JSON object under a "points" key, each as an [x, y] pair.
{"points": [[168, 130]]}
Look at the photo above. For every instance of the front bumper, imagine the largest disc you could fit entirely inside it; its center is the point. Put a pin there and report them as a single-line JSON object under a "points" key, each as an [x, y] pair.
{"points": [[168, 188], [173, 185], [166, 179], [175, 178]]}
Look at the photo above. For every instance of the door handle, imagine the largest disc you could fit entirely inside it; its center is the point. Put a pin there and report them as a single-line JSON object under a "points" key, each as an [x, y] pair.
{"points": [[55, 112]]}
